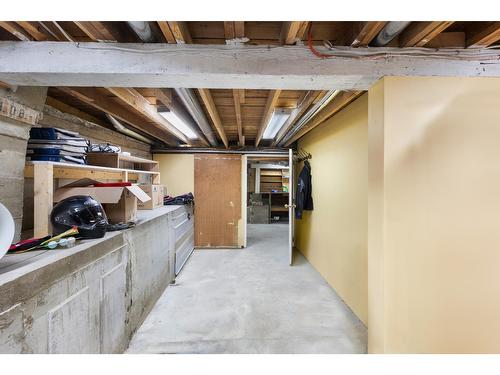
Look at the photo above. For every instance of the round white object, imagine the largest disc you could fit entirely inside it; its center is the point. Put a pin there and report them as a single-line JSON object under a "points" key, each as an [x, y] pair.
{"points": [[7, 229]]}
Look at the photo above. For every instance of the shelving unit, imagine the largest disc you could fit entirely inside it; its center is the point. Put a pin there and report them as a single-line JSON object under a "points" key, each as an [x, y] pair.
{"points": [[119, 160], [44, 173]]}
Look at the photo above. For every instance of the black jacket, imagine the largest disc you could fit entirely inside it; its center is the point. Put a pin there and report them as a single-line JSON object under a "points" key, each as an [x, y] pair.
{"points": [[303, 198]]}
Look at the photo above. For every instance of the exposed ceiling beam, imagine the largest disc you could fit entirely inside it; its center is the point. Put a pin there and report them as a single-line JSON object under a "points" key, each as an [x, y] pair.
{"points": [[207, 99], [96, 31], [418, 34], [339, 102], [237, 108], [233, 29], [36, 30], [368, 32], [293, 30], [134, 99], [308, 99], [163, 95], [180, 32], [485, 37], [101, 102], [16, 30], [241, 66], [272, 99], [66, 108], [167, 33]]}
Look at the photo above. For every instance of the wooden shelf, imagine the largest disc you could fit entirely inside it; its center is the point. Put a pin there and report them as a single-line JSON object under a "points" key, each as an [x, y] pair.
{"points": [[44, 172], [118, 160]]}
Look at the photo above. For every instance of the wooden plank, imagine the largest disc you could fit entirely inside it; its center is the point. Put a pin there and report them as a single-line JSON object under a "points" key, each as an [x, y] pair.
{"points": [[35, 30], [237, 108], [207, 99], [271, 103], [43, 197], [180, 32], [19, 112], [368, 32], [448, 39], [217, 188], [339, 102], [241, 66], [132, 98], [163, 95], [16, 30], [96, 99], [63, 107], [96, 31], [167, 33], [418, 34], [485, 37], [239, 29], [293, 30]]}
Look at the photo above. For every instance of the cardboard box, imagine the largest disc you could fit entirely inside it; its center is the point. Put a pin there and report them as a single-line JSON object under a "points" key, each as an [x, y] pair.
{"points": [[156, 193], [120, 203]]}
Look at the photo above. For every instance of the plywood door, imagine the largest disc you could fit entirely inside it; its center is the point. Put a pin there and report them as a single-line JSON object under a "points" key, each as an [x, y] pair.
{"points": [[217, 190]]}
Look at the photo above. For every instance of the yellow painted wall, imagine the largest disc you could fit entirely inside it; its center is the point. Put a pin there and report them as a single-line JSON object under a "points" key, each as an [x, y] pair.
{"points": [[434, 202], [333, 237], [176, 172]]}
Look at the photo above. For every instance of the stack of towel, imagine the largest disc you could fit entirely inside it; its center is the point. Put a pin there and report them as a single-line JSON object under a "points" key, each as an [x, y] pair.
{"points": [[55, 144]]}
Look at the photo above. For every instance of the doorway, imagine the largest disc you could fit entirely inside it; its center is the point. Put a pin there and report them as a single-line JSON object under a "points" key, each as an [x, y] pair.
{"points": [[269, 195]]}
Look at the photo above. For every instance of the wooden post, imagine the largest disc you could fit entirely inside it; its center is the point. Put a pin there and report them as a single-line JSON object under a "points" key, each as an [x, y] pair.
{"points": [[43, 175]]}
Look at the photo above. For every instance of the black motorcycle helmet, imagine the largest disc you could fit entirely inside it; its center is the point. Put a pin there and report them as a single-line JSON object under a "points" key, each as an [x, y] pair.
{"points": [[81, 211]]}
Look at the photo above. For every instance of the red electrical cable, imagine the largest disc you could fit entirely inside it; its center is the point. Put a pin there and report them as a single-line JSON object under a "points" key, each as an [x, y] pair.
{"points": [[314, 50]]}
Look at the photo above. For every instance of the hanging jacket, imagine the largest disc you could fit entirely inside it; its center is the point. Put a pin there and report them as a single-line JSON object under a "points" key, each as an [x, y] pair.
{"points": [[303, 197]]}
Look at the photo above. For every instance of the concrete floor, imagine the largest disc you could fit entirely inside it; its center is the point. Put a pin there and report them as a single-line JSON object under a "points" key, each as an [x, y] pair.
{"points": [[250, 301]]}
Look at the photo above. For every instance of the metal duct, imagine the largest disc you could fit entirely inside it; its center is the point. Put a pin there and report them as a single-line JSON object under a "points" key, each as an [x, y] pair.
{"points": [[143, 30], [309, 115], [188, 98], [389, 32], [122, 129]]}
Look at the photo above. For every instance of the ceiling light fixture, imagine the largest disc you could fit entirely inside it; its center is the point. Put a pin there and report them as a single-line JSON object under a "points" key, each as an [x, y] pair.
{"points": [[178, 123], [276, 122]]}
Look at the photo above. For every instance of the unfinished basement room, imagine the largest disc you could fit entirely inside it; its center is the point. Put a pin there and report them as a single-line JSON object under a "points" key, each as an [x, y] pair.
{"points": [[249, 187]]}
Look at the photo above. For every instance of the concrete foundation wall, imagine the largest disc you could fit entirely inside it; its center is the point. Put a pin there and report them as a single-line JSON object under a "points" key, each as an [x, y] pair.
{"points": [[91, 298], [13, 141]]}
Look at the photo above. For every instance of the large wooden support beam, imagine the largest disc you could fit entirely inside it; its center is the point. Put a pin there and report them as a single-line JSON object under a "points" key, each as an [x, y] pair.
{"points": [[291, 31], [221, 66]]}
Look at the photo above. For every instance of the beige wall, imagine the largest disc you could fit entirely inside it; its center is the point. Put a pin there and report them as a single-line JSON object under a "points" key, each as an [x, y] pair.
{"points": [[434, 202], [333, 237], [176, 172]]}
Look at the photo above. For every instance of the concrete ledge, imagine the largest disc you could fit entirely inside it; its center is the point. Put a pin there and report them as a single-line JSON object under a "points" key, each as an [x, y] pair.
{"points": [[97, 292]]}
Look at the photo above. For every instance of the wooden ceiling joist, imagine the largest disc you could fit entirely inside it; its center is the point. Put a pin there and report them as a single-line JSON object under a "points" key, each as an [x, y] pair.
{"points": [[16, 30], [293, 30], [97, 31], [234, 29], [418, 34], [368, 32], [485, 37], [36, 31], [239, 123], [272, 99], [134, 99], [101, 102], [180, 32], [340, 101], [208, 101]]}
